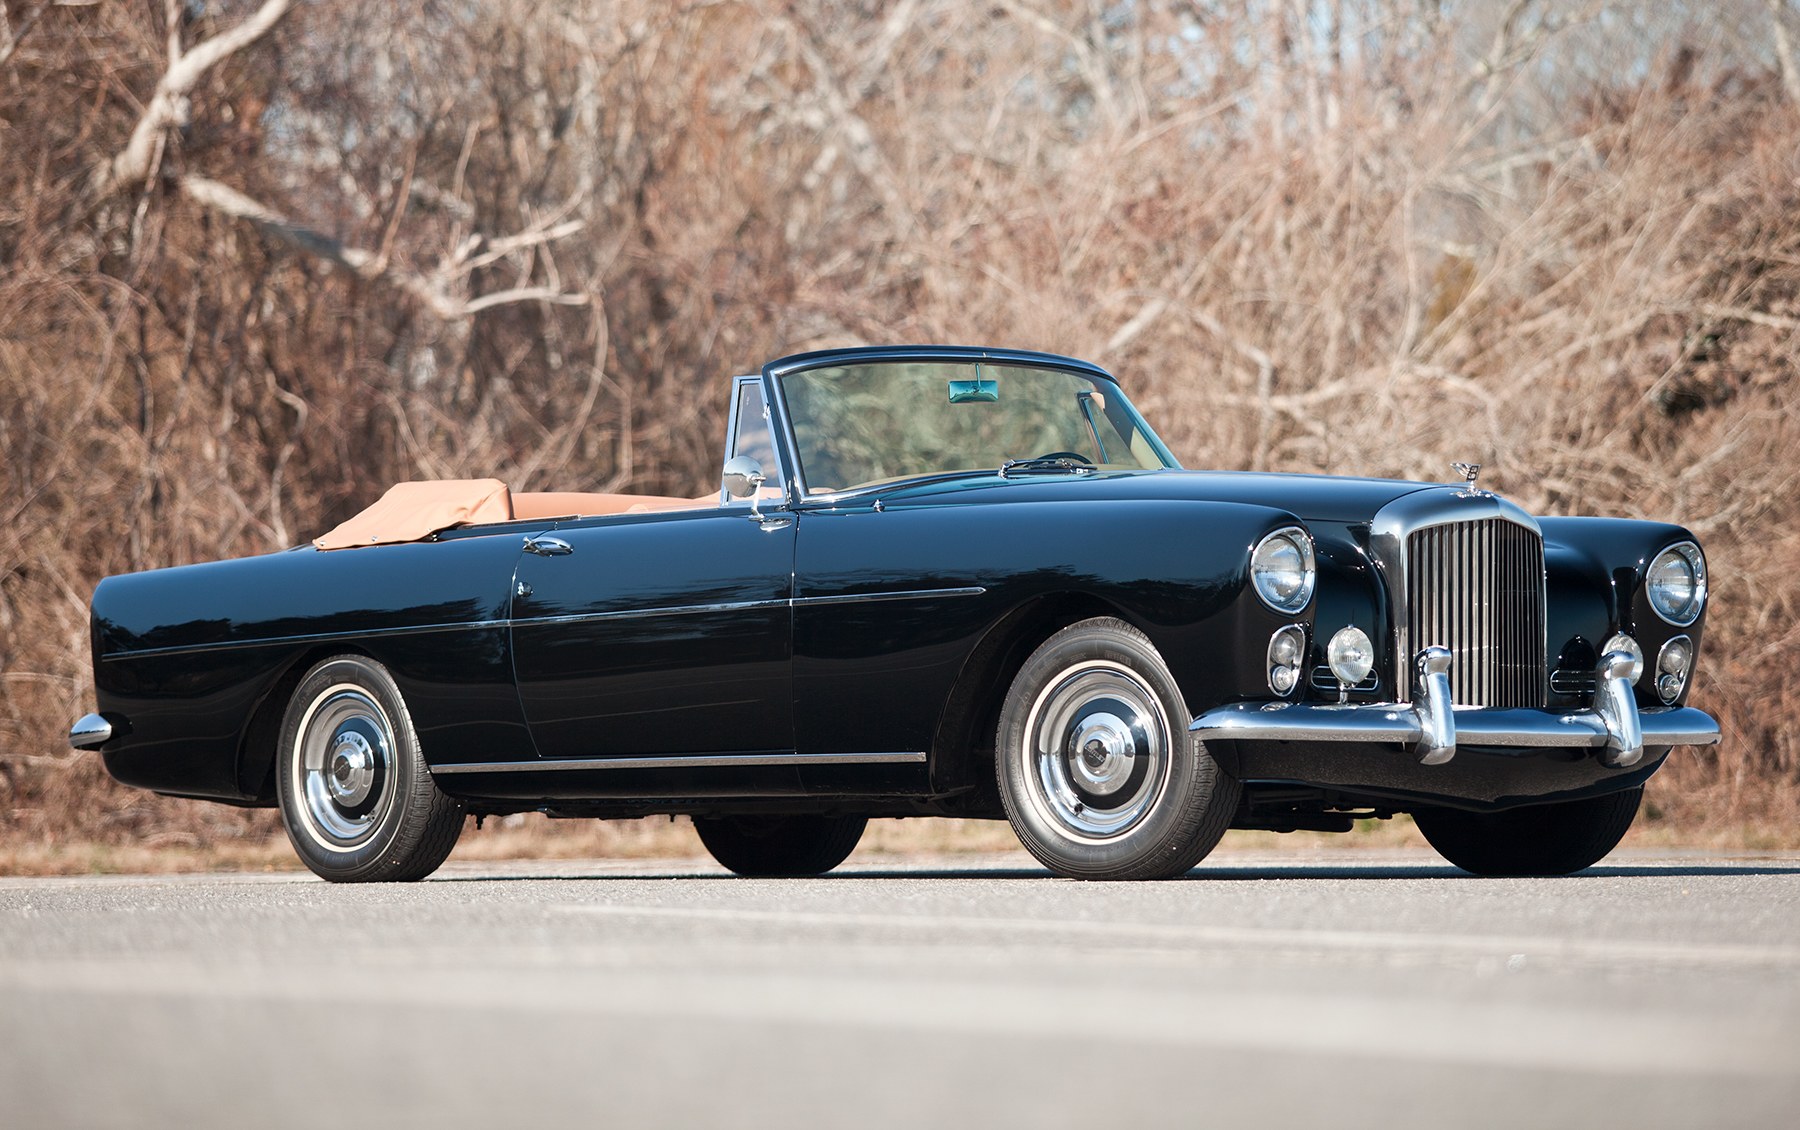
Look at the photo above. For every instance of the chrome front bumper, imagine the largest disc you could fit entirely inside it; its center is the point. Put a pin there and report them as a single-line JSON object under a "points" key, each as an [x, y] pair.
{"points": [[1433, 728]]}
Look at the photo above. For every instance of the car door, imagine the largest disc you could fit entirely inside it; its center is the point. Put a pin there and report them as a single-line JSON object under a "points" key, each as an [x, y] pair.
{"points": [[657, 634], [663, 634], [886, 610]]}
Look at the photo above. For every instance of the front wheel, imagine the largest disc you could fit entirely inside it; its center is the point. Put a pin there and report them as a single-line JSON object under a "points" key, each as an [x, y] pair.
{"points": [[1098, 772], [779, 847], [356, 795], [1537, 840]]}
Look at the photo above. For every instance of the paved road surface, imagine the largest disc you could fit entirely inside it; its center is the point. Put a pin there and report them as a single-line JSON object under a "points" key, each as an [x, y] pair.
{"points": [[1273, 990]]}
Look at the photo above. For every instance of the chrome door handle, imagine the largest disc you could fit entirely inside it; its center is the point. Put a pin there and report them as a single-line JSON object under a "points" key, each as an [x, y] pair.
{"points": [[548, 547]]}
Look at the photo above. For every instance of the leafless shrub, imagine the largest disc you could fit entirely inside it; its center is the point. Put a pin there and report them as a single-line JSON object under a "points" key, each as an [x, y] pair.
{"points": [[528, 239]]}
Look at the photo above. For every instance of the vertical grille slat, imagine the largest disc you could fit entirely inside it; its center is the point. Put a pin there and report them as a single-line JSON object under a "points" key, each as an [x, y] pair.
{"points": [[1477, 589]]}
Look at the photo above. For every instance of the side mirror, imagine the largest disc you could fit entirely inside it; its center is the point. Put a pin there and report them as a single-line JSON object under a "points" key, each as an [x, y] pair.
{"points": [[742, 478]]}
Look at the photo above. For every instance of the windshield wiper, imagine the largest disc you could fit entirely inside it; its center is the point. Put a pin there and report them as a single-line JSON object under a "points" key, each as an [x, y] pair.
{"points": [[1055, 464]]}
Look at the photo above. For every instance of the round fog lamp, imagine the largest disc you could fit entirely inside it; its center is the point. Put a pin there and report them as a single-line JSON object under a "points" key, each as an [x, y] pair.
{"points": [[1351, 656], [1629, 646]]}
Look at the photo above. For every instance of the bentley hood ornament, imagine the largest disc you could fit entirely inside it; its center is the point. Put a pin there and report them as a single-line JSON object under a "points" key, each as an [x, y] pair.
{"points": [[1469, 472]]}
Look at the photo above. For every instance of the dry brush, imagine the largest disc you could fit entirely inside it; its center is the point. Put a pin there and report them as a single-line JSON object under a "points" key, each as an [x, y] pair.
{"points": [[258, 260]]}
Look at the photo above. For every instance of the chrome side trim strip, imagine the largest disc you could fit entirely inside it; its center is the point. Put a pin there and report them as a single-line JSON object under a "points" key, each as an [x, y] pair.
{"points": [[316, 637], [904, 594], [644, 613], [680, 761]]}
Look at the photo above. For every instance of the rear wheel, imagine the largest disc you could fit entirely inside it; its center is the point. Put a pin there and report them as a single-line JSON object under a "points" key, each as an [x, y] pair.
{"points": [[1539, 839], [1100, 777], [356, 795], [771, 847]]}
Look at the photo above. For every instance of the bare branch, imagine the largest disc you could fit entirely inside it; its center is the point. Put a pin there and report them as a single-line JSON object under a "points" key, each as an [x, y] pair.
{"points": [[168, 105], [865, 152], [1087, 61], [521, 294], [1784, 50], [25, 26], [1755, 317], [495, 249], [1146, 316], [1513, 47], [30, 21], [222, 198], [895, 26], [368, 265]]}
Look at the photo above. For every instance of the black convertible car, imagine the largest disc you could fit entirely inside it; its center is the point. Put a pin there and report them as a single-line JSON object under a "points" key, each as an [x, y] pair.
{"points": [[933, 582]]}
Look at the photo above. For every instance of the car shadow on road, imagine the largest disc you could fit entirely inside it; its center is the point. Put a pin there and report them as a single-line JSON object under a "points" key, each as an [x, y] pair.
{"points": [[1447, 871], [1203, 873]]}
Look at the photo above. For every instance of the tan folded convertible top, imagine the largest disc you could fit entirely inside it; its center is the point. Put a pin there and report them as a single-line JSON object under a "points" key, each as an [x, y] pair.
{"points": [[411, 511], [415, 511]]}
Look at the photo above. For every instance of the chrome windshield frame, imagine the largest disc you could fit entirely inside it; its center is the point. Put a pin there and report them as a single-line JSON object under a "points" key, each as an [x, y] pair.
{"points": [[774, 371]]}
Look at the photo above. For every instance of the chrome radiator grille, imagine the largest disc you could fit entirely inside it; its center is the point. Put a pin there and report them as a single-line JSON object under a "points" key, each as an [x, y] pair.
{"points": [[1477, 588]]}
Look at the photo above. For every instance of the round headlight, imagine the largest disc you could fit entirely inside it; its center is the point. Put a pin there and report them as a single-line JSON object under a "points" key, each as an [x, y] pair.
{"points": [[1350, 655], [1676, 583], [1281, 567], [1631, 647]]}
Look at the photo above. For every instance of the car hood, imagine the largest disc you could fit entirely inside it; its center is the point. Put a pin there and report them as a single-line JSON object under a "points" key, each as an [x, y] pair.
{"points": [[1316, 498]]}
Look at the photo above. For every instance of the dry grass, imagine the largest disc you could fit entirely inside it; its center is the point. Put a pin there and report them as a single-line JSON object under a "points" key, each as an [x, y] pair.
{"points": [[1364, 237], [532, 837]]}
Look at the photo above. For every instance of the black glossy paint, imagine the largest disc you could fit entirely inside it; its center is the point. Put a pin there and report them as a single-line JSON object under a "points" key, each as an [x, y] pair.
{"points": [[1596, 572], [885, 621], [664, 668], [188, 654], [873, 675]]}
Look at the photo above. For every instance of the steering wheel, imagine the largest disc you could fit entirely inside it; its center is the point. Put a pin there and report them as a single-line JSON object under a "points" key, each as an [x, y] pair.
{"points": [[1075, 455]]}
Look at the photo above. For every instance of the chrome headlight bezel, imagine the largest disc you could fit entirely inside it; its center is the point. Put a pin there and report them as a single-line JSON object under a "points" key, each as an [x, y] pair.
{"points": [[1675, 584], [1271, 559], [1674, 666], [1286, 659]]}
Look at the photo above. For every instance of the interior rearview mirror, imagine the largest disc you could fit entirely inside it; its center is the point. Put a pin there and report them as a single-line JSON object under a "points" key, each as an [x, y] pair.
{"points": [[976, 391]]}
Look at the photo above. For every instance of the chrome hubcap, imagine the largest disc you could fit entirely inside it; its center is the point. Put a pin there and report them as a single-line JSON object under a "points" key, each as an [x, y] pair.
{"points": [[352, 769], [343, 768], [1107, 748], [1098, 751]]}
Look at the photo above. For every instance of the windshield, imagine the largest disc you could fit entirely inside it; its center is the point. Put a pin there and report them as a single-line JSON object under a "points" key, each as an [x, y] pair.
{"points": [[858, 425]]}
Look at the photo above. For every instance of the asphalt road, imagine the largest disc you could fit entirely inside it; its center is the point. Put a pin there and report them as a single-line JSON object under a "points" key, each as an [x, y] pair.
{"points": [[1274, 990]]}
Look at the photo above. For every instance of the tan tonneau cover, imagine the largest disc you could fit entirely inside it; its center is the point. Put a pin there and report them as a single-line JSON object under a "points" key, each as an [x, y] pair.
{"points": [[413, 511]]}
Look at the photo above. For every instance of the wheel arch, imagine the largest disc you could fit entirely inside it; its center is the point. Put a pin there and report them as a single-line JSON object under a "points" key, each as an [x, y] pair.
{"points": [[256, 748], [962, 746]]}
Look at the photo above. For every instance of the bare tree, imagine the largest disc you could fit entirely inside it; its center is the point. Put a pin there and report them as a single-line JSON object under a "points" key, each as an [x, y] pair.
{"points": [[258, 260]]}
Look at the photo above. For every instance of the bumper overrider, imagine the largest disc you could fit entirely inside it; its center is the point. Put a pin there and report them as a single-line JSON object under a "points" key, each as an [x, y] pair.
{"points": [[1614, 728]]}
